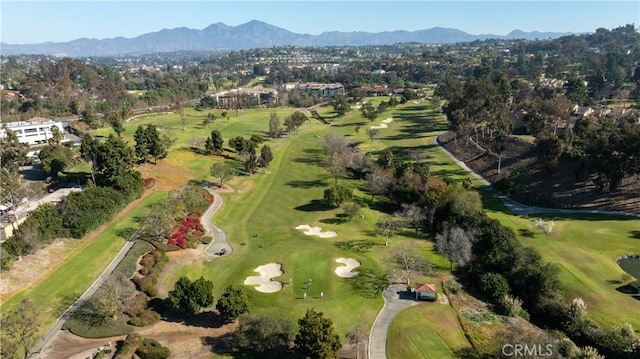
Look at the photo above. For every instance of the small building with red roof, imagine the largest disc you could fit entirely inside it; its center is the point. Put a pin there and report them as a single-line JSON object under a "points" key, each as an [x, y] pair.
{"points": [[425, 291]]}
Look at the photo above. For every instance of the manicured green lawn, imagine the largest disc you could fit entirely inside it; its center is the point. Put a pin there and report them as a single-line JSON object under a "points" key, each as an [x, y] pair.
{"points": [[428, 330], [70, 279], [585, 248]]}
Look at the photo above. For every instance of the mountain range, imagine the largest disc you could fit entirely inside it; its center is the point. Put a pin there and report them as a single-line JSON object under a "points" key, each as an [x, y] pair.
{"points": [[253, 34]]}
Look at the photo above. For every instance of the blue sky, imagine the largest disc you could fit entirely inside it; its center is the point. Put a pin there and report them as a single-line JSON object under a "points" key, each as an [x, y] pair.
{"points": [[26, 22]]}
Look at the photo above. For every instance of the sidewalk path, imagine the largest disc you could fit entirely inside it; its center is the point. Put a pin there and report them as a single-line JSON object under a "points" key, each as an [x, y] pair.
{"points": [[393, 305], [219, 242], [518, 208]]}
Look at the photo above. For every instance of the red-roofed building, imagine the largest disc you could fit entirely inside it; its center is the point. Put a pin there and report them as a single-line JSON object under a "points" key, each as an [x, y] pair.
{"points": [[425, 291]]}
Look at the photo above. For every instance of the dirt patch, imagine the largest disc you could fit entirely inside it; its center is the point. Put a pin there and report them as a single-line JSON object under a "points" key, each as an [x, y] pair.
{"points": [[184, 341], [178, 259], [564, 188]]}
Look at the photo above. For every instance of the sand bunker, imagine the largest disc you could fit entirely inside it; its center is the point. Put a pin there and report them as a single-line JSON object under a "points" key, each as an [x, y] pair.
{"points": [[384, 124], [346, 271], [316, 231], [264, 280]]}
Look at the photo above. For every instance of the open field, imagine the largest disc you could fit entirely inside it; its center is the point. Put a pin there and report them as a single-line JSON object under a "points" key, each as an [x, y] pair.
{"points": [[65, 283], [428, 330]]}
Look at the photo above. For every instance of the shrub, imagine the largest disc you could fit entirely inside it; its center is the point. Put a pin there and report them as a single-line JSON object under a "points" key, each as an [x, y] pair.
{"points": [[206, 239], [452, 286], [151, 349], [494, 286], [131, 344], [145, 318], [335, 195]]}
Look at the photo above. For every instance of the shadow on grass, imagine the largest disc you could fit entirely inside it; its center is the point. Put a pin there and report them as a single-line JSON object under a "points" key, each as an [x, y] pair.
{"points": [[526, 233], [635, 234], [313, 206], [631, 288], [206, 319], [306, 184], [358, 246]]}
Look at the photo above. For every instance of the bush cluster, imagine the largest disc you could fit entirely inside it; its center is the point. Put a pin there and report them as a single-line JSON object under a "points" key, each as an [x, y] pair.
{"points": [[152, 264], [75, 216]]}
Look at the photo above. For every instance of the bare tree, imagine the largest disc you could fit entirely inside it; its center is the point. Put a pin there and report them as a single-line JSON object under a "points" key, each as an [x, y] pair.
{"points": [[372, 133], [410, 261], [339, 155], [356, 336], [378, 181], [158, 223], [20, 330], [414, 214], [454, 244], [387, 227], [274, 125]]}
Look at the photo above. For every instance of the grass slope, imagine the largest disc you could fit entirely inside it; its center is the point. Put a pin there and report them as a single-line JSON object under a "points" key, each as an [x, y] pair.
{"points": [[70, 279], [428, 330]]}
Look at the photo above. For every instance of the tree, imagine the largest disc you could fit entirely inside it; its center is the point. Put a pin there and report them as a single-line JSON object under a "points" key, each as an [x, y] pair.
{"points": [[372, 133], [378, 181], [316, 337], [494, 286], [106, 304], [232, 303], [264, 334], [142, 143], [454, 244], [211, 117], [20, 330], [214, 144], [54, 159], [368, 111], [117, 124], [157, 224], [387, 227], [56, 135], [339, 155], [189, 297], [410, 261], [295, 120], [351, 210], [12, 153], [335, 195], [340, 104], [545, 226], [356, 336], [88, 150], [549, 150], [266, 156], [274, 125], [414, 213], [223, 172], [113, 160]]}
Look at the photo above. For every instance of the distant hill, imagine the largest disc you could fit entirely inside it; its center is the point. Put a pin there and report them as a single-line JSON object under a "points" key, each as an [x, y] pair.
{"points": [[254, 34]]}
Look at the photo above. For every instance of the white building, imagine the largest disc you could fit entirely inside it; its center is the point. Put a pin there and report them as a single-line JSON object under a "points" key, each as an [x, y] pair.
{"points": [[35, 130]]}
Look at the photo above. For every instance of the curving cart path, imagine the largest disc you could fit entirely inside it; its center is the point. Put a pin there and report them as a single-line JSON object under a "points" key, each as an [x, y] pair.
{"points": [[393, 305], [219, 237], [219, 242]]}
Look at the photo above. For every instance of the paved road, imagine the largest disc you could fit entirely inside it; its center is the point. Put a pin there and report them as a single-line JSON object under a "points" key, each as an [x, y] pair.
{"points": [[55, 328], [392, 306], [219, 237], [220, 241], [523, 209]]}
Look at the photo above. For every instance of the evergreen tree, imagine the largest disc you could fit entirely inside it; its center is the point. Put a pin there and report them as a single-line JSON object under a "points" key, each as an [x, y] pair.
{"points": [[316, 337], [140, 136], [232, 303], [266, 156]]}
